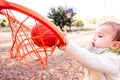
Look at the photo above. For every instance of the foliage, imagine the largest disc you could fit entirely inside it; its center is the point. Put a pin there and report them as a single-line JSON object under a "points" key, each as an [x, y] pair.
{"points": [[78, 23], [3, 23], [58, 16]]}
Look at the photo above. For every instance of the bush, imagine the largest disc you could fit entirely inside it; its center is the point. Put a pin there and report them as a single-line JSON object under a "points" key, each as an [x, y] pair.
{"points": [[78, 23]]}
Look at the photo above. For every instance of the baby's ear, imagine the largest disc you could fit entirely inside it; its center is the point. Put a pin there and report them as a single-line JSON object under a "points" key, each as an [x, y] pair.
{"points": [[116, 45]]}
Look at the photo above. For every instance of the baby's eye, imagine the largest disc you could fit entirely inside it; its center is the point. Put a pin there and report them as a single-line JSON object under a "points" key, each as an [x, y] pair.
{"points": [[100, 36]]}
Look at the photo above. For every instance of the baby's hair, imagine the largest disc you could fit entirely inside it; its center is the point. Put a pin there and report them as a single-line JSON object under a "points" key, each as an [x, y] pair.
{"points": [[115, 26]]}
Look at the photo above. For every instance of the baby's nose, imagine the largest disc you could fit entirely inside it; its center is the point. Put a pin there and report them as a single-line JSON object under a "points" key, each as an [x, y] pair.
{"points": [[94, 39]]}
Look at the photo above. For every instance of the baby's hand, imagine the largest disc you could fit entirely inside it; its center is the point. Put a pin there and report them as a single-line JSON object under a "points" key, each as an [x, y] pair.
{"points": [[65, 33]]}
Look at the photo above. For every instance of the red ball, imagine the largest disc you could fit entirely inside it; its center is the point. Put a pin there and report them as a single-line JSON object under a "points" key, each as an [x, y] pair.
{"points": [[41, 36]]}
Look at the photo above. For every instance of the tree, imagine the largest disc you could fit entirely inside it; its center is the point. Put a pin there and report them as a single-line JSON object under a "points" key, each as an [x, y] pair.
{"points": [[3, 23], [79, 24], [59, 16]]}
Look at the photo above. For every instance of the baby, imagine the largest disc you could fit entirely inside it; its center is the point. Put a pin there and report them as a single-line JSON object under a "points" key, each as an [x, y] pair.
{"points": [[105, 62]]}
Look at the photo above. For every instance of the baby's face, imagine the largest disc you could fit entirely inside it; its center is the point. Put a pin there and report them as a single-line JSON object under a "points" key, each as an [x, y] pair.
{"points": [[103, 37]]}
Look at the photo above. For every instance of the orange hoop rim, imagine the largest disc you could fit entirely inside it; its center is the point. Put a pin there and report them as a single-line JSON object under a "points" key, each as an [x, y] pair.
{"points": [[22, 41], [13, 6]]}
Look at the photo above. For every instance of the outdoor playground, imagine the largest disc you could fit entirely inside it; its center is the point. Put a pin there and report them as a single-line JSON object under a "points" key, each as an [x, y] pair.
{"points": [[59, 66], [29, 41]]}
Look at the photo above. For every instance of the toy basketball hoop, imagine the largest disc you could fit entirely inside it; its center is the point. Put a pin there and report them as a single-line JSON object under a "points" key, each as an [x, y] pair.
{"points": [[34, 37]]}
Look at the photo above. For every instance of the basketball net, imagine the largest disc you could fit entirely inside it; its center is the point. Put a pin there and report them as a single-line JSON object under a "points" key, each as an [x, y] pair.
{"points": [[23, 48]]}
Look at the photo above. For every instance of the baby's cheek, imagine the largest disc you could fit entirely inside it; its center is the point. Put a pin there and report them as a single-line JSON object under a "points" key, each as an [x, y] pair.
{"points": [[107, 43]]}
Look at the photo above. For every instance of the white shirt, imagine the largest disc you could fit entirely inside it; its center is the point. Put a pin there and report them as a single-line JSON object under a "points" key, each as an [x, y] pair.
{"points": [[106, 64]]}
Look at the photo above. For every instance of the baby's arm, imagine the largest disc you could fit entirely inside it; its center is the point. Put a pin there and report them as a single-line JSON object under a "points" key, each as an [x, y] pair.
{"points": [[104, 63]]}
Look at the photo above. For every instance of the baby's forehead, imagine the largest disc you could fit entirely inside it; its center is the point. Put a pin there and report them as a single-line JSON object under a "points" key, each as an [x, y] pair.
{"points": [[105, 29]]}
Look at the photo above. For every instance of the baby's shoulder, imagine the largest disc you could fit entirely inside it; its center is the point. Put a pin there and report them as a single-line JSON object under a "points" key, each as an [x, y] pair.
{"points": [[111, 55]]}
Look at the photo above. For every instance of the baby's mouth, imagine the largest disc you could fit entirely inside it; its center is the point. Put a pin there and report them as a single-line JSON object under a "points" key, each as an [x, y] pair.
{"points": [[93, 44]]}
